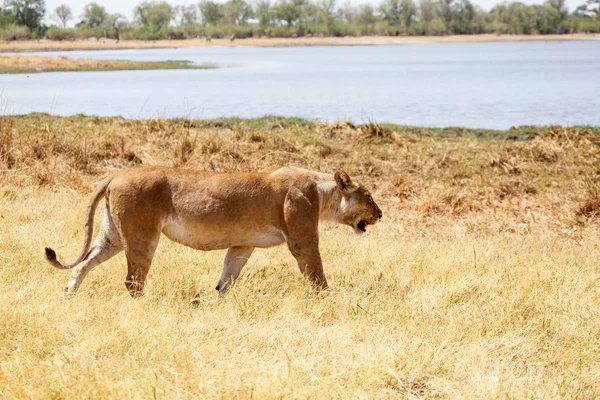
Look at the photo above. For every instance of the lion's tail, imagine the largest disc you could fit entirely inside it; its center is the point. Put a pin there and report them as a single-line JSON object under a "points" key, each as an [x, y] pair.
{"points": [[89, 229]]}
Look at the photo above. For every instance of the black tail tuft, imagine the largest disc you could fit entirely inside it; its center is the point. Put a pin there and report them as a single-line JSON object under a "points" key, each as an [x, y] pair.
{"points": [[50, 254]]}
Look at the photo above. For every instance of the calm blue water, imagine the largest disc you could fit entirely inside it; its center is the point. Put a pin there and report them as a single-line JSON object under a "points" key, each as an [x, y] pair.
{"points": [[481, 85]]}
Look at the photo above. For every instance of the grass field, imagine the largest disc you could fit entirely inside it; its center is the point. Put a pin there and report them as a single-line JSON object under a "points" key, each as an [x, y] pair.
{"points": [[481, 281], [33, 64]]}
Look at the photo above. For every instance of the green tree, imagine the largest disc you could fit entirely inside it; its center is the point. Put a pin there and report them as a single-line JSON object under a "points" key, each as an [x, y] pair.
{"points": [[160, 14], [236, 12], [436, 27], [409, 12], [591, 9], [427, 11], [186, 14], [365, 15], [288, 11], [140, 13], [62, 15], [559, 6], [154, 14], [117, 22], [445, 10], [514, 18], [262, 11], [211, 12], [27, 12], [547, 19], [327, 11], [464, 18], [391, 11], [94, 15], [6, 17]]}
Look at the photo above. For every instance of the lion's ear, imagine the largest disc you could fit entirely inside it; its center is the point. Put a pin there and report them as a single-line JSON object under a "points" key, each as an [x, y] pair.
{"points": [[344, 182]]}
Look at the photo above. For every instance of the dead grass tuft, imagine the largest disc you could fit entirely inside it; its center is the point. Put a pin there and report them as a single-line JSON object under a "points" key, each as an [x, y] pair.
{"points": [[339, 130], [186, 149], [570, 136], [375, 133], [6, 143], [589, 209], [515, 188], [451, 201]]}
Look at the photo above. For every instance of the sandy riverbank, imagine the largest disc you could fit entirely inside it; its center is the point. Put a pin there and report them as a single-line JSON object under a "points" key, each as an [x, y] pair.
{"points": [[46, 45]]}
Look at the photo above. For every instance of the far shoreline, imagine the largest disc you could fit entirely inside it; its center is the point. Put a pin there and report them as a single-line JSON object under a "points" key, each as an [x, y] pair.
{"points": [[112, 44]]}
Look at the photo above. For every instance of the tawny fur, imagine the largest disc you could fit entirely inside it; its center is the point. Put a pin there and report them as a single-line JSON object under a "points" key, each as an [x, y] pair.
{"points": [[211, 211]]}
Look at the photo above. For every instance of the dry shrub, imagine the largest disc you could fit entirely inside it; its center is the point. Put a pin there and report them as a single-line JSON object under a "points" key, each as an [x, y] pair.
{"points": [[375, 133], [413, 386], [506, 162], [589, 209], [545, 151], [338, 130], [367, 166], [115, 148], [217, 123], [514, 188], [451, 201], [51, 158], [570, 136], [185, 150], [211, 145], [282, 144], [325, 151], [159, 127], [397, 187], [277, 125], [256, 138], [6, 144], [447, 161], [552, 146]]}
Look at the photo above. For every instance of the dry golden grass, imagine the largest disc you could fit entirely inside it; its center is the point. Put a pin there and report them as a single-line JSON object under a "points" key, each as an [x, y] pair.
{"points": [[480, 282], [31, 64], [48, 45]]}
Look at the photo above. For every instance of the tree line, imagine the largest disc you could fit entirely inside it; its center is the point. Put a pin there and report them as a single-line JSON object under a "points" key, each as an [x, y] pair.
{"points": [[24, 19]]}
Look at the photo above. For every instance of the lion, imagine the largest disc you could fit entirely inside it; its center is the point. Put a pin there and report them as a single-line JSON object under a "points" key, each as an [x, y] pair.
{"points": [[212, 211]]}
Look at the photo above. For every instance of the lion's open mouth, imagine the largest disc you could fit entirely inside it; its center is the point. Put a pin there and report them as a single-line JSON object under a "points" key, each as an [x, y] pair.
{"points": [[362, 225]]}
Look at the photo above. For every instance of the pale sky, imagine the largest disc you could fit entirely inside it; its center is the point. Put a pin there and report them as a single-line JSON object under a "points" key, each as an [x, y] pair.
{"points": [[125, 7]]}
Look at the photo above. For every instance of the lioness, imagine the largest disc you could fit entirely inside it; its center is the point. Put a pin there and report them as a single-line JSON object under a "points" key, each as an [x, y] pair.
{"points": [[210, 211]]}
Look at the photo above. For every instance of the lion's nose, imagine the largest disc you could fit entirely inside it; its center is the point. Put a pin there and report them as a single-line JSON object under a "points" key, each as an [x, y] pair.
{"points": [[380, 214]]}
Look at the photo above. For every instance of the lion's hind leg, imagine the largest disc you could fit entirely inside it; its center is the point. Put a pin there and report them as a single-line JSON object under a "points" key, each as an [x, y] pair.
{"points": [[107, 245], [139, 256]]}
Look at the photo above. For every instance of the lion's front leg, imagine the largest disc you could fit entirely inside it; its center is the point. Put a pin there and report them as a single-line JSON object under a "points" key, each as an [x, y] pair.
{"points": [[301, 214], [309, 261]]}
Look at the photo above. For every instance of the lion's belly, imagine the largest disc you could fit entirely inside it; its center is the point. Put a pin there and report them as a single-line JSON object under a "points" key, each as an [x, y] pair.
{"points": [[203, 237]]}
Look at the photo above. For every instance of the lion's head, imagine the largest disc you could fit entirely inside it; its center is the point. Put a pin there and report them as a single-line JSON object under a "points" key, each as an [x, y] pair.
{"points": [[358, 209]]}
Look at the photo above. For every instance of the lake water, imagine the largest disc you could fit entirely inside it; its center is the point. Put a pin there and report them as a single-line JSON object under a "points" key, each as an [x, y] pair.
{"points": [[480, 85]]}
